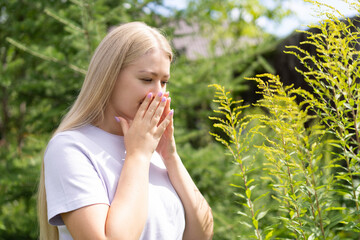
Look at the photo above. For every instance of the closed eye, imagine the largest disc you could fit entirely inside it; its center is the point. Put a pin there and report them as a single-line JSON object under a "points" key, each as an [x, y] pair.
{"points": [[147, 79]]}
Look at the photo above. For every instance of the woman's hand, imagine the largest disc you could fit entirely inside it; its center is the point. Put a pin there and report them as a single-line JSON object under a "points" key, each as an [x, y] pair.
{"points": [[148, 126], [167, 146]]}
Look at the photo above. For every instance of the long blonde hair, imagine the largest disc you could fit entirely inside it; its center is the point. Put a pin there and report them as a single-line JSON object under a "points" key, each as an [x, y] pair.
{"points": [[121, 47]]}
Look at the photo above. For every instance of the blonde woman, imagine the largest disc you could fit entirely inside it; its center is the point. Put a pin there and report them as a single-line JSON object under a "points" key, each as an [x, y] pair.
{"points": [[111, 170]]}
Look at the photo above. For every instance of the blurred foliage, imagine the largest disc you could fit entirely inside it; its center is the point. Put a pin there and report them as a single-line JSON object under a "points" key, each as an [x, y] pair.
{"points": [[45, 47], [227, 23]]}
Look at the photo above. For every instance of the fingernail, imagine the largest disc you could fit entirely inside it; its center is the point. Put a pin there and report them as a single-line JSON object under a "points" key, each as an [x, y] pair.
{"points": [[163, 99], [160, 94], [169, 99], [171, 112], [149, 95], [117, 119]]}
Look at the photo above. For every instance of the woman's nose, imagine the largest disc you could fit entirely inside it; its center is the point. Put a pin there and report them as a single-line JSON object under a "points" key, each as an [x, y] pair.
{"points": [[158, 87]]}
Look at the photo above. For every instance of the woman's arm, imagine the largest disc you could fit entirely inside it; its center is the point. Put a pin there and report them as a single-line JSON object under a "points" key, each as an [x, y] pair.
{"points": [[126, 217], [198, 215]]}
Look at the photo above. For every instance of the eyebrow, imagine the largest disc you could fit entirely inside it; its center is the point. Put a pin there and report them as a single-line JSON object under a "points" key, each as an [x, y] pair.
{"points": [[153, 73]]}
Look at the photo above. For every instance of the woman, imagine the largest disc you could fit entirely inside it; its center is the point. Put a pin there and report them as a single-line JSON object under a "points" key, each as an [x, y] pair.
{"points": [[111, 170]]}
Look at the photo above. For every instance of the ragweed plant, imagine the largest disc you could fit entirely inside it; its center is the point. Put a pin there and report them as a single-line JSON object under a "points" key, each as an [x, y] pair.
{"points": [[295, 160], [236, 137], [311, 139], [334, 75]]}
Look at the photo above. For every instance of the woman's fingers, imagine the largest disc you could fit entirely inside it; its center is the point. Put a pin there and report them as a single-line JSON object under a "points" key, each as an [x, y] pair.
{"points": [[152, 112], [164, 124], [151, 121], [144, 106], [166, 110], [153, 106], [158, 111]]}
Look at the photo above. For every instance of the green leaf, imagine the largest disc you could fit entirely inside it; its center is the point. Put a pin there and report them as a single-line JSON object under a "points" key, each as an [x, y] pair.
{"points": [[255, 223], [248, 193], [261, 215], [269, 235]]}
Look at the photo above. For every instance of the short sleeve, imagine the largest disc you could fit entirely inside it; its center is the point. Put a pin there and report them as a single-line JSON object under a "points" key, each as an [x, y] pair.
{"points": [[72, 179]]}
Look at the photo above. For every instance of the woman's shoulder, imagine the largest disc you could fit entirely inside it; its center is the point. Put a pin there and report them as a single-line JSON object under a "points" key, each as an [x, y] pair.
{"points": [[86, 139], [80, 134], [70, 134], [74, 137]]}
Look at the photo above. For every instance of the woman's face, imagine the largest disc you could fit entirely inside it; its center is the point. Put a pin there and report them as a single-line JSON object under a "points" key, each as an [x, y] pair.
{"points": [[150, 73]]}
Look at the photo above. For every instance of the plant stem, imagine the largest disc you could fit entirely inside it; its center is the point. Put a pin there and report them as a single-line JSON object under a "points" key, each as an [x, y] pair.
{"points": [[318, 207], [292, 187], [313, 185], [237, 156]]}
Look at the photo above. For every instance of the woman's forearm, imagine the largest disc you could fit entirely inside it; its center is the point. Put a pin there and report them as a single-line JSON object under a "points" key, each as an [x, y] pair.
{"points": [[126, 216], [198, 215], [128, 211]]}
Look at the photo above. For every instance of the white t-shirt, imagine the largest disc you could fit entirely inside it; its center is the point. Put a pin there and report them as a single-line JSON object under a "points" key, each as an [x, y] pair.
{"points": [[82, 167]]}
